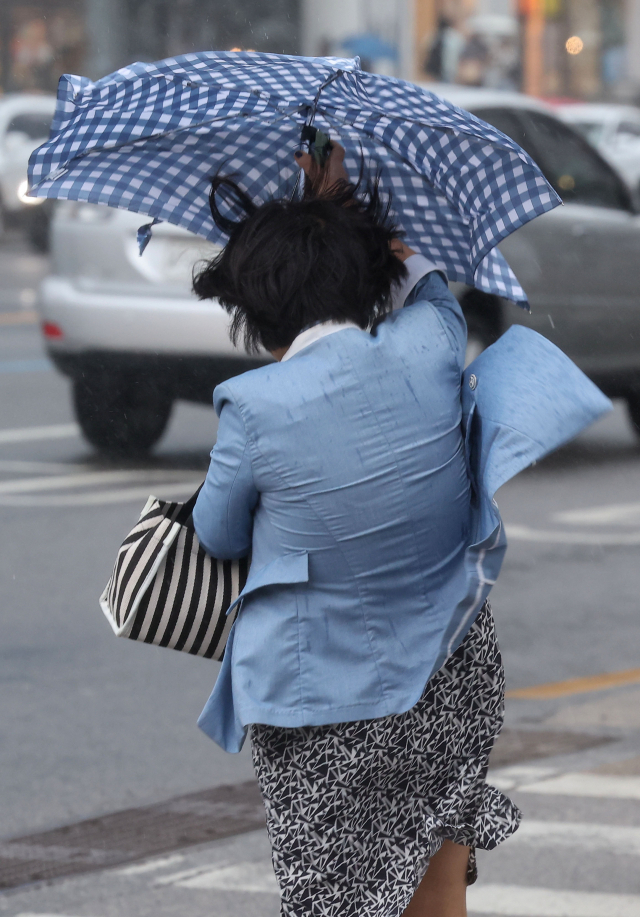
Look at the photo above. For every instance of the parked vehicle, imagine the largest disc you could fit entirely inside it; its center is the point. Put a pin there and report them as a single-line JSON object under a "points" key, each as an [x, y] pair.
{"points": [[580, 263], [126, 328], [133, 339], [614, 130], [24, 124]]}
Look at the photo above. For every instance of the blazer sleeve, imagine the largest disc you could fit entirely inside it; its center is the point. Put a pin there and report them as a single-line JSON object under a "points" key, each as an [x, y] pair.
{"points": [[223, 514], [426, 285]]}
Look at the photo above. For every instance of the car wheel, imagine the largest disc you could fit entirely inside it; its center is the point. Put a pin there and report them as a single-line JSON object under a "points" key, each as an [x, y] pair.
{"points": [[38, 227], [121, 415], [484, 322], [479, 337], [633, 409]]}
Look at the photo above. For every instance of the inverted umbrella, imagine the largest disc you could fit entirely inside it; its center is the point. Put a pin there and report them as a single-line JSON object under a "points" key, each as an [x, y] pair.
{"points": [[148, 138]]}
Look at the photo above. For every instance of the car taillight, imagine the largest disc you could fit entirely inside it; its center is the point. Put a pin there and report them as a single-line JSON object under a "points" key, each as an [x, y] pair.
{"points": [[51, 330]]}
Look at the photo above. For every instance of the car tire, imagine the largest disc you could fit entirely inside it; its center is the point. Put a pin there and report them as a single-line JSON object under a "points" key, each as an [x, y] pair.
{"points": [[633, 409], [121, 415], [481, 333], [38, 228]]}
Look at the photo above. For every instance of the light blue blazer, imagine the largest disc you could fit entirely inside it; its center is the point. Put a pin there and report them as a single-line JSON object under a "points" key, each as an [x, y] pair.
{"points": [[360, 474]]}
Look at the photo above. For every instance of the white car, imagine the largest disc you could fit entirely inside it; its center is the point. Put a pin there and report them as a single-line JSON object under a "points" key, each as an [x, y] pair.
{"points": [[126, 327], [614, 130], [133, 338], [25, 119]]}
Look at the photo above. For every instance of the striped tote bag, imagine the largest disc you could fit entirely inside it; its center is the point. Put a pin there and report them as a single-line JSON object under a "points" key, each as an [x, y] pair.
{"points": [[166, 590]]}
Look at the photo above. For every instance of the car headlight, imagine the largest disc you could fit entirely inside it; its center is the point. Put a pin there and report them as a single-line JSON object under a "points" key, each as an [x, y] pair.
{"points": [[23, 197]]}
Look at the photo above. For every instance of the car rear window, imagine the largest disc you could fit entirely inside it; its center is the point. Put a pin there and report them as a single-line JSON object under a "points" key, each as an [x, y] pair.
{"points": [[592, 130], [570, 165], [629, 129]]}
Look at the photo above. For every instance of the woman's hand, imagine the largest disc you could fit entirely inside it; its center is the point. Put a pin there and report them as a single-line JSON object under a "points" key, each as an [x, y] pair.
{"points": [[323, 178]]}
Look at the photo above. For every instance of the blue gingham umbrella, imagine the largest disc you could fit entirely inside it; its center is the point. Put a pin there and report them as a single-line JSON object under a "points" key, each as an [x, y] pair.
{"points": [[148, 137]]}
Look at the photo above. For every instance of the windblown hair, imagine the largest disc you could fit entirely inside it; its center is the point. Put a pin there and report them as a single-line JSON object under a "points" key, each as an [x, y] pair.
{"points": [[291, 264]]}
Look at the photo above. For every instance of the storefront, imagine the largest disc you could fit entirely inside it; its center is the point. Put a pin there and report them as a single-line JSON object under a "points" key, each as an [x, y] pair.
{"points": [[38, 41], [552, 48]]}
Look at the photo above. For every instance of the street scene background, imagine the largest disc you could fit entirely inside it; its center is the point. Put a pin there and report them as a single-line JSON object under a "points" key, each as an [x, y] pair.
{"points": [[99, 750]]}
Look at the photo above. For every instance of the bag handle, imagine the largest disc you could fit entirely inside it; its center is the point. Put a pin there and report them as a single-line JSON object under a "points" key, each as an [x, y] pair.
{"points": [[182, 517]]}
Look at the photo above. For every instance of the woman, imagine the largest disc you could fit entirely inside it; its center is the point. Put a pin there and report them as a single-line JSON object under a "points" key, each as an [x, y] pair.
{"points": [[341, 468]]}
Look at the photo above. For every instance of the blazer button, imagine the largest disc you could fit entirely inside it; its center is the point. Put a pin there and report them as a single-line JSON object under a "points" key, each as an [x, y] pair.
{"points": [[473, 382]]}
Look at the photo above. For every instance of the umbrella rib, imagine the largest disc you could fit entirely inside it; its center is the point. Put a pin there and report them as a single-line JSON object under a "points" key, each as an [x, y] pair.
{"points": [[158, 136]]}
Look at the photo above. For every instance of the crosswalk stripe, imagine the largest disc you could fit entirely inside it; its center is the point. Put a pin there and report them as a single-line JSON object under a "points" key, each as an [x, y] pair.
{"points": [[519, 901], [600, 786], [150, 865], [257, 877], [20, 466], [167, 489], [29, 434], [616, 839], [551, 536], [612, 514], [87, 479]]}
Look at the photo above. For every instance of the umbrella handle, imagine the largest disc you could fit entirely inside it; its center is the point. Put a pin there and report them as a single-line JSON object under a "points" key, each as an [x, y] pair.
{"points": [[308, 133]]}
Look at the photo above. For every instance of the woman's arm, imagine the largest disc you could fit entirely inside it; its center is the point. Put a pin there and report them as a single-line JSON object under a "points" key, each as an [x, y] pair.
{"points": [[426, 286], [223, 514]]}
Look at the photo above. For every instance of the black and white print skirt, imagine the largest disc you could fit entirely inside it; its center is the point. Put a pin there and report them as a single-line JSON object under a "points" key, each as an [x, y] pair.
{"points": [[356, 810]]}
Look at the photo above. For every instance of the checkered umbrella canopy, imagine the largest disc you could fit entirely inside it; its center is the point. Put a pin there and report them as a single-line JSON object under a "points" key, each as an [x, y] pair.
{"points": [[148, 138]]}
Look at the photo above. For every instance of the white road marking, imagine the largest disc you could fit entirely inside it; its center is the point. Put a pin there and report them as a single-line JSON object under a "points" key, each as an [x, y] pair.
{"points": [[139, 869], [616, 839], [29, 434], [545, 780], [104, 497], [519, 901], [509, 778], [550, 536], [176, 877], [17, 466], [39, 914], [244, 877], [601, 786], [89, 479], [614, 514]]}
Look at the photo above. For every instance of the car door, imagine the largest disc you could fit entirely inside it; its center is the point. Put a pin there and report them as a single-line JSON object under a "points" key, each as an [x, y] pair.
{"points": [[560, 257], [600, 314], [533, 254]]}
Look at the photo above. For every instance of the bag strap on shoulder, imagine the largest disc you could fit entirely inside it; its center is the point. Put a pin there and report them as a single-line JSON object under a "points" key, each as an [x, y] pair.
{"points": [[186, 510]]}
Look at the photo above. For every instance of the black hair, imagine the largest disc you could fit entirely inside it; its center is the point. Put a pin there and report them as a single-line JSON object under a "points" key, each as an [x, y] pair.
{"points": [[290, 264]]}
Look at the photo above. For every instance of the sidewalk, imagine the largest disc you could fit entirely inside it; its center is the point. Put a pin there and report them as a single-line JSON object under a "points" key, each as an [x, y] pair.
{"points": [[577, 853]]}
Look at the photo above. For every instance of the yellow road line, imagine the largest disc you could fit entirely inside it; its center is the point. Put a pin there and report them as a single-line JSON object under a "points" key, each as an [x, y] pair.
{"points": [[25, 317], [578, 685]]}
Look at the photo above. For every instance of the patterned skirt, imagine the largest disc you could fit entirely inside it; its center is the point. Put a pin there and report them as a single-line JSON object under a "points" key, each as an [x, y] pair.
{"points": [[356, 810]]}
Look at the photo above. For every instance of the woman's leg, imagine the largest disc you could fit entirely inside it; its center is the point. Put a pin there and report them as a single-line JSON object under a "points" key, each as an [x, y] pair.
{"points": [[443, 891]]}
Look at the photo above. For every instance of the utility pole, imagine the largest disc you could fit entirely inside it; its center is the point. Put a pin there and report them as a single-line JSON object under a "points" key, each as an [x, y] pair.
{"points": [[407, 39], [106, 36], [533, 11]]}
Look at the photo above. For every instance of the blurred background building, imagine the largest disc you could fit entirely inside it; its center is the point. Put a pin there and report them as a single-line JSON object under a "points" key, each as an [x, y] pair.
{"points": [[583, 49], [578, 49]]}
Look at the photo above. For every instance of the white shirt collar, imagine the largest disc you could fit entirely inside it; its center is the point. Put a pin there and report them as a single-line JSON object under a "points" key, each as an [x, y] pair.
{"points": [[417, 266], [313, 334]]}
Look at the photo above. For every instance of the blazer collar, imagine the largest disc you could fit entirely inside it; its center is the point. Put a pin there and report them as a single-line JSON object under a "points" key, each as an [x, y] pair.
{"points": [[313, 334]]}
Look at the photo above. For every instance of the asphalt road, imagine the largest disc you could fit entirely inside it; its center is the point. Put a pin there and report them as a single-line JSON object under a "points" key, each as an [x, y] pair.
{"points": [[90, 724]]}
